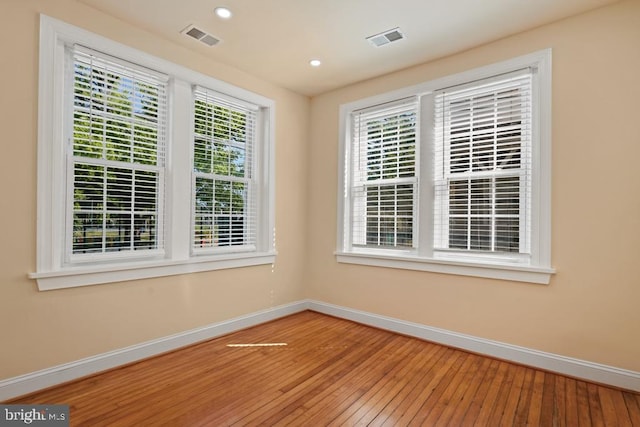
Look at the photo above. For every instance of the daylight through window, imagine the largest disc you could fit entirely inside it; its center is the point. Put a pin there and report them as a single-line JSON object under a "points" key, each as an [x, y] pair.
{"points": [[118, 155], [146, 168], [224, 194], [452, 175]]}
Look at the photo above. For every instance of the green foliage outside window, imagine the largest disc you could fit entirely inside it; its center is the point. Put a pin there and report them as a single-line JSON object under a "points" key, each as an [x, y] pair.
{"points": [[221, 152], [116, 158]]}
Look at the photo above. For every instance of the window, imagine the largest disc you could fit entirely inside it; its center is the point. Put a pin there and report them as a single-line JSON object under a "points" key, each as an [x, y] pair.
{"points": [[451, 176], [224, 188], [117, 166], [483, 167], [142, 172], [385, 179]]}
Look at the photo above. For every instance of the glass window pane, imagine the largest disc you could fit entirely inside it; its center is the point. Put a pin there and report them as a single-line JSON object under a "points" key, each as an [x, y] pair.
{"points": [[389, 215], [118, 232], [119, 189], [480, 197], [458, 233], [88, 187], [145, 232], [146, 191], [480, 234], [508, 235], [204, 196], [508, 196], [88, 232]]}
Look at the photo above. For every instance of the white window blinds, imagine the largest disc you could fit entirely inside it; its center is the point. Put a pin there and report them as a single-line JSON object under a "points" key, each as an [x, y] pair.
{"points": [[118, 156], [384, 179], [483, 165], [225, 208]]}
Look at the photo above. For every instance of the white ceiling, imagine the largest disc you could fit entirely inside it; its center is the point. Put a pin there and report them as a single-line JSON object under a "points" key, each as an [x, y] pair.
{"points": [[275, 39]]}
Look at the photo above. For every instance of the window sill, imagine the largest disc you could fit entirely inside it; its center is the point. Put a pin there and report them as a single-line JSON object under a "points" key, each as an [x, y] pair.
{"points": [[518, 273], [94, 275]]}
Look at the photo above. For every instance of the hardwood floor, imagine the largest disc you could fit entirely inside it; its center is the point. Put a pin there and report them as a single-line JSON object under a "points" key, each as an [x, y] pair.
{"points": [[334, 372]]}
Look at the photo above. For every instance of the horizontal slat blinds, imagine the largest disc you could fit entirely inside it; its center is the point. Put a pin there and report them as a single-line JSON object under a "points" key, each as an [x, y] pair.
{"points": [[383, 192], [483, 165], [225, 209], [118, 155]]}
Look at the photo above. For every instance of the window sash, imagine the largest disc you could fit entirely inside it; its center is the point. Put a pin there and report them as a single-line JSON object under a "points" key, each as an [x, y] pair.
{"points": [[224, 199], [55, 170], [483, 167], [115, 158], [533, 266], [384, 175]]}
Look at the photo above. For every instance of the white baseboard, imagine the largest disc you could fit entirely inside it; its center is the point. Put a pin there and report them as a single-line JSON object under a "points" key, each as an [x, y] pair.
{"points": [[24, 384], [576, 368], [589, 371]]}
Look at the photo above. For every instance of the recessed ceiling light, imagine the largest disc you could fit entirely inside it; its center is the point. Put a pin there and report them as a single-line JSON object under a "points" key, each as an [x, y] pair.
{"points": [[223, 12], [315, 62]]}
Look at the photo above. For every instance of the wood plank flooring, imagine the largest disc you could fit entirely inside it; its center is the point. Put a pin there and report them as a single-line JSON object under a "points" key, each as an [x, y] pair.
{"points": [[334, 372]]}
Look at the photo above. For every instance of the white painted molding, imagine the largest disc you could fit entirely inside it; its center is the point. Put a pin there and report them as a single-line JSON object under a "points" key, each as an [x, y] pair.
{"points": [[603, 374], [24, 384], [54, 269], [514, 272], [95, 275], [576, 368], [535, 268]]}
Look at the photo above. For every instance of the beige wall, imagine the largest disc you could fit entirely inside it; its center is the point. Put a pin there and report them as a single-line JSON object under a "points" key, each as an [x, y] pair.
{"points": [[590, 310], [43, 329]]}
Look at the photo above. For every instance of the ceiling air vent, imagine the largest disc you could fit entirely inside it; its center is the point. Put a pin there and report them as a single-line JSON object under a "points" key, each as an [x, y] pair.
{"points": [[386, 37], [200, 35]]}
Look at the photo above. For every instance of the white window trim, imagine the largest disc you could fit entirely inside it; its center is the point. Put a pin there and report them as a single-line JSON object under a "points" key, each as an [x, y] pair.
{"points": [[539, 270], [51, 272]]}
